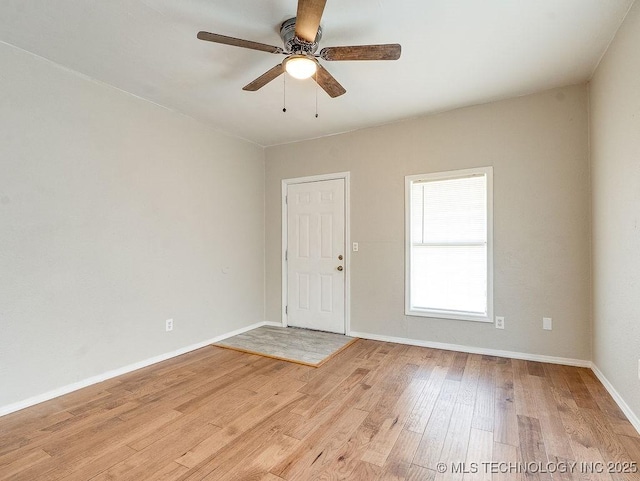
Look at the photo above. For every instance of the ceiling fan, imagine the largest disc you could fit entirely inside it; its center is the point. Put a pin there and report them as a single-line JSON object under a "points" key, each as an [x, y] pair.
{"points": [[301, 36]]}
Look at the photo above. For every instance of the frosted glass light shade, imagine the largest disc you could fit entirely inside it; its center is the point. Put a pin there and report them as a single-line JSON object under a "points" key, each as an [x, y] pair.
{"points": [[300, 66]]}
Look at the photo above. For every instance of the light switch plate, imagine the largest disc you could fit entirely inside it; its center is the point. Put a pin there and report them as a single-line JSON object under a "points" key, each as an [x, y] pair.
{"points": [[547, 323]]}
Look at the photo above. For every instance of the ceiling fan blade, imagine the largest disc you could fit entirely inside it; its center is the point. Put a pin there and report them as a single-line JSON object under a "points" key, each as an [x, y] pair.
{"points": [[308, 19], [238, 42], [328, 83], [265, 78], [390, 51]]}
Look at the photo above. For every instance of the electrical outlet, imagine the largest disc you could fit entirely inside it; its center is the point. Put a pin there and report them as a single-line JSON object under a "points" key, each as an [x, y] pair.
{"points": [[547, 323], [499, 322], [169, 325], [355, 247]]}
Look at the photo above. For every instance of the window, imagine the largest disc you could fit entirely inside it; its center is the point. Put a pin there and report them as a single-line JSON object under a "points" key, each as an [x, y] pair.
{"points": [[449, 256]]}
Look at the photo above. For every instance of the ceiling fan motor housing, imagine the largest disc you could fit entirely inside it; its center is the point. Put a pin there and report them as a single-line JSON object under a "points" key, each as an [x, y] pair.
{"points": [[294, 44]]}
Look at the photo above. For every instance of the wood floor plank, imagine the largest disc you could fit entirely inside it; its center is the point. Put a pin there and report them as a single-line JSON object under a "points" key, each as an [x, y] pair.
{"points": [[399, 464], [375, 437], [535, 368], [469, 381], [170, 472], [89, 464], [270, 477], [456, 443], [258, 464], [230, 406], [323, 412], [418, 473], [376, 411], [142, 463], [240, 445], [480, 452], [389, 431], [610, 446], [525, 401], [505, 420], [379, 378], [347, 458], [583, 442], [222, 384], [632, 445], [365, 472], [158, 427], [563, 469], [456, 371], [532, 447], [18, 428], [67, 455], [201, 451], [505, 462], [579, 390], [303, 463], [559, 384], [555, 437], [607, 405], [317, 403], [30, 460], [484, 407], [435, 433], [421, 413]]}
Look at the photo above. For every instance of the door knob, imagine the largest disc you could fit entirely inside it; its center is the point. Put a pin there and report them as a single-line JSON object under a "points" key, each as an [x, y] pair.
{"points": [[340, 257], [340, 268]]}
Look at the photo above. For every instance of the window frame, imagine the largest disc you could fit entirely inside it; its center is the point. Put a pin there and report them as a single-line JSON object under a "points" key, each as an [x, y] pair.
{"points": [[449, 314]]}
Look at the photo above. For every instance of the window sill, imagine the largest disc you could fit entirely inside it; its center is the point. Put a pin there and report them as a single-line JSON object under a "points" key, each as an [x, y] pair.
{"points": [[454, 315]]}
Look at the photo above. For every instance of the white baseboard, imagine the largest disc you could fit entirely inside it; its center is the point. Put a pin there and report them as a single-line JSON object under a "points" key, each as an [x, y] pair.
{"points": [[475, 350], [120, 371], [633, 417], [270, 323]]}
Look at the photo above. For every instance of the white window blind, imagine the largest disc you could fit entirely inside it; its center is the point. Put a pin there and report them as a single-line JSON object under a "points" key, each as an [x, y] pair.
{"points": [[448, 271]]}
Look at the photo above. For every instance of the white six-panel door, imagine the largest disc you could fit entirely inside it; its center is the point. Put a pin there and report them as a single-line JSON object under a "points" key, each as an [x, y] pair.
{"points": [[316, 255]]}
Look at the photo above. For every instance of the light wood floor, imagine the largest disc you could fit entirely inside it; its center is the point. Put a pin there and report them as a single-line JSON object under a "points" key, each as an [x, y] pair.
{"points": [[376, 411]]}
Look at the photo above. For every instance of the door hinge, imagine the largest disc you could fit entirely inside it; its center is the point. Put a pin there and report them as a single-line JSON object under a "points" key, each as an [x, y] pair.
{"points": [[286, 255], [286, 199], [286, 309]]}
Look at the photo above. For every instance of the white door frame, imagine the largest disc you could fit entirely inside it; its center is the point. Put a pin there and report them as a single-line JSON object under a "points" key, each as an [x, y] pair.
{"points": [[347, 240]]}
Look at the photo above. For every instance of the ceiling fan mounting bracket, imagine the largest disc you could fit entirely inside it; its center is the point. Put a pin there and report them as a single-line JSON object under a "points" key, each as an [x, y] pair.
{"points": [[294, 44]]}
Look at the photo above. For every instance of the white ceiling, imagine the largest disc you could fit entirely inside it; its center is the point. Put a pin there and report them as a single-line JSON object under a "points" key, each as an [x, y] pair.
{"points": [[454, 53]]}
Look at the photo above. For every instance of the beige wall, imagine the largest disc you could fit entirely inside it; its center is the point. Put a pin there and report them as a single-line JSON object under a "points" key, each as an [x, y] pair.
{"points": [[115, 215], [615, 157], [538, 147]]}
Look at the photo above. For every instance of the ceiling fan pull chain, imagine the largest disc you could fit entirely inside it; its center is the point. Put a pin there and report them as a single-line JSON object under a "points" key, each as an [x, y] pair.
{"points": [[317, 94], [284, 93]]}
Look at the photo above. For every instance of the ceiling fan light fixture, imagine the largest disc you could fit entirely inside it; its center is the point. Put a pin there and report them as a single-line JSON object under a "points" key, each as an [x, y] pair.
{"points": [[300, 66]]}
